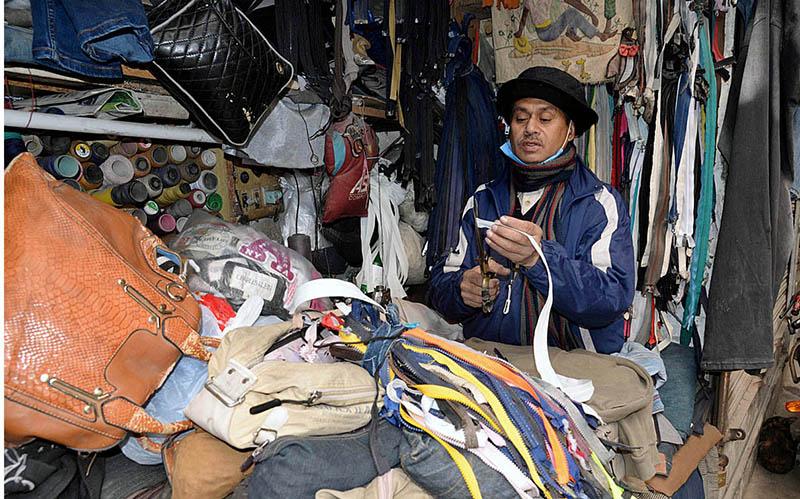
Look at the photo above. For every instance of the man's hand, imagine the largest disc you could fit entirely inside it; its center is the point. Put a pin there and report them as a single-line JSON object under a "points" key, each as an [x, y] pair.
{"points": [[513, 245], [471, 284]]}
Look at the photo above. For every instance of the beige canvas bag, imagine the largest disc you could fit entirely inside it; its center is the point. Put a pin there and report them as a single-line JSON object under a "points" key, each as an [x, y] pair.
{"points": [[289, 398]]}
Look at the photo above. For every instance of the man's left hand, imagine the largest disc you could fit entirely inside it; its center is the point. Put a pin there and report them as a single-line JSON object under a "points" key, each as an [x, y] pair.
{"points": [[513, 245]]}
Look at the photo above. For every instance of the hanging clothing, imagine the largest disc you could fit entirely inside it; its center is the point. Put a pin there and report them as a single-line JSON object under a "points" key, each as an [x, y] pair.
{"points": [[756, 232]]}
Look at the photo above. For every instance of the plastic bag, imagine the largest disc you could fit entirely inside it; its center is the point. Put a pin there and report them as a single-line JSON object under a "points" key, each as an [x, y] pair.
{"points": [[237, 261], [303, 219]]}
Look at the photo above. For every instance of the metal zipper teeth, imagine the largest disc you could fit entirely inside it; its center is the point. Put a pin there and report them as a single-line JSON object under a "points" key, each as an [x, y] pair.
{"points": [[522, 434], [502, 410]]}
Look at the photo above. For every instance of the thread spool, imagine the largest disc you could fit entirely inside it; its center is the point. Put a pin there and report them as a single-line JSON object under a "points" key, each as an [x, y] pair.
{"points": [[100, 153], [177, 154], [180, 223], [207, 159], [180, 208], [33, 144], [55, 145], [72, 183], [141, 164], [13, 146], [190, 172], [207, 182], [137, 213], [60, 167], [174, 193], [154, 185], [80, 150], [163, 224], [92, 177], [158, 156], [213, 203], [117, 169], [301, 243], [194, 151], [170, 175], [130, 193], [144, 146], [150, 208], [124, 148], [197, 198]]}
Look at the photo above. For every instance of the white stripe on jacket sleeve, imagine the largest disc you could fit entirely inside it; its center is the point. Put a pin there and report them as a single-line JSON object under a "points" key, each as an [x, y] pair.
{"points": [[601, 249]]}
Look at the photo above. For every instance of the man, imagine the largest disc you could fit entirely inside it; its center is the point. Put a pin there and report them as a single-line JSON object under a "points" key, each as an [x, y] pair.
{"points": [[582, 225]]}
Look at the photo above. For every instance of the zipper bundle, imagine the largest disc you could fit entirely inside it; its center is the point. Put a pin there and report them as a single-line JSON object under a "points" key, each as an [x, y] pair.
{"points": [[526, 429]]}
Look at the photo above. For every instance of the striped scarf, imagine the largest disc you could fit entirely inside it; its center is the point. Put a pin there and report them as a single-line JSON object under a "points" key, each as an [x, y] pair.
{"points": [[546, 213]]}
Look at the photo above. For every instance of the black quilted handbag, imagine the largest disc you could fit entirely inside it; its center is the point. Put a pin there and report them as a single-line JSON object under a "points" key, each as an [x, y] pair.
{"points": [[217, 64]]}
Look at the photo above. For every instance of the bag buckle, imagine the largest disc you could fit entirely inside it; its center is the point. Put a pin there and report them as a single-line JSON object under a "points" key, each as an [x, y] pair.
{"points": [[232, 384]]}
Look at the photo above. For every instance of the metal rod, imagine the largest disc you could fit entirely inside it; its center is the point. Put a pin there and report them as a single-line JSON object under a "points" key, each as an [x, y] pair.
{"points": [[65, 123]]}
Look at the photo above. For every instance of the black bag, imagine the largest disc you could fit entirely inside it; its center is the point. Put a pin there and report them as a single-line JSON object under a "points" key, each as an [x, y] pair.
{"points": [[217, 64]]}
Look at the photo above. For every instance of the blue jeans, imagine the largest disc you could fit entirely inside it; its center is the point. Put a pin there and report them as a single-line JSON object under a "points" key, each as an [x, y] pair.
{"points": [[89, 37], [298, 467], [428, 464]]}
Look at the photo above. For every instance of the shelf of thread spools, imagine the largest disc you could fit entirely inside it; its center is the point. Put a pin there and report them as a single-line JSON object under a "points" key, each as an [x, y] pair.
{"points": [[159, 184]]}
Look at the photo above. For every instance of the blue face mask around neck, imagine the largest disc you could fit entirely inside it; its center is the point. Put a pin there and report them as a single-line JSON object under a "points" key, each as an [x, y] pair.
{"points": [[506, 148]]}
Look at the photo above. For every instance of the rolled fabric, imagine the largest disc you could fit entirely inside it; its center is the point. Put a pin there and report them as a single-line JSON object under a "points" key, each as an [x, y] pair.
{"points": [[80, 150], [137, 213], [124, 148], [179, 209], [174, 193], [154, 184], [207, 182], [100, 152], [141, 164], [177, 154], [194, 151], [190, 172], [163, 224], [72, 183], [62, 166], [92, 177], [180, 223], [33, 144], [55, 145], [170, 175], [117, 169], [158, 156], [144, 146], [207, 159], [197, 198], [130, 193], [150, 208], [213, 203]]}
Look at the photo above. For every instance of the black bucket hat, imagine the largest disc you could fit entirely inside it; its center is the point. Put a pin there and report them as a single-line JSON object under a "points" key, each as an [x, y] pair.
{"points": [[552, 85]]}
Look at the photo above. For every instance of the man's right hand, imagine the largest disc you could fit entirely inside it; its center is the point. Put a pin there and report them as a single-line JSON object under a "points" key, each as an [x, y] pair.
{"points": [[471, 284]]}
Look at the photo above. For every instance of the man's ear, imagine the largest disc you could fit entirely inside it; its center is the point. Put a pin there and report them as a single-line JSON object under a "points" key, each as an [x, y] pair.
{"points": [[571, 132]]}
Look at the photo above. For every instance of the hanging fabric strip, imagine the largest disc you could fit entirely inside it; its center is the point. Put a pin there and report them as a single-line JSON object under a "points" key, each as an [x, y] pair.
{"points": [[707, 190]]}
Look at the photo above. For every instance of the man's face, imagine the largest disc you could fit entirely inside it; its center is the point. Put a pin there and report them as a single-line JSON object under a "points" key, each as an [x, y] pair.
{"points": [[538, 129]]}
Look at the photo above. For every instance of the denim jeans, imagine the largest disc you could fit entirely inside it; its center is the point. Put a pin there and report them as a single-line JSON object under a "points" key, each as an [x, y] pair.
{"points": [[297, 467], [89, 37], [17, 45], [428, 464]]}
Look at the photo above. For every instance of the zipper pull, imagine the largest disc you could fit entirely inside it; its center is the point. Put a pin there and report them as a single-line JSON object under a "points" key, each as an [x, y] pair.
{"points": [[507, 305], [315, 395], [255, 457]]}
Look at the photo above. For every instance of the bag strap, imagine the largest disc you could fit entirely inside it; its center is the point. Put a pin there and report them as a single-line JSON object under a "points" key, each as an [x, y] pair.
{"points": [[123, 413]]}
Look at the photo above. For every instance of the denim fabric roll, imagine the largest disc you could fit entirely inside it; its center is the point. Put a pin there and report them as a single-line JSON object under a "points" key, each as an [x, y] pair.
{"points": [[100, 153], [55, 145]]}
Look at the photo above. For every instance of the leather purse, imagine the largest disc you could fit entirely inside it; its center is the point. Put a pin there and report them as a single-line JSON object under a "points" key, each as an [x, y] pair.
{"points": [[217, 64], [93, 325]]}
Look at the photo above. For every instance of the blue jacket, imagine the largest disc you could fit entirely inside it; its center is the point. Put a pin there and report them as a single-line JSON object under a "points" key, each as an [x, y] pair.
{"points": [[591, 263]]}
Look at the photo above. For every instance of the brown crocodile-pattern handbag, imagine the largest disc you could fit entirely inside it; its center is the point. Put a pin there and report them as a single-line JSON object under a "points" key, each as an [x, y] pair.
{"points": [[92, 324]]}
